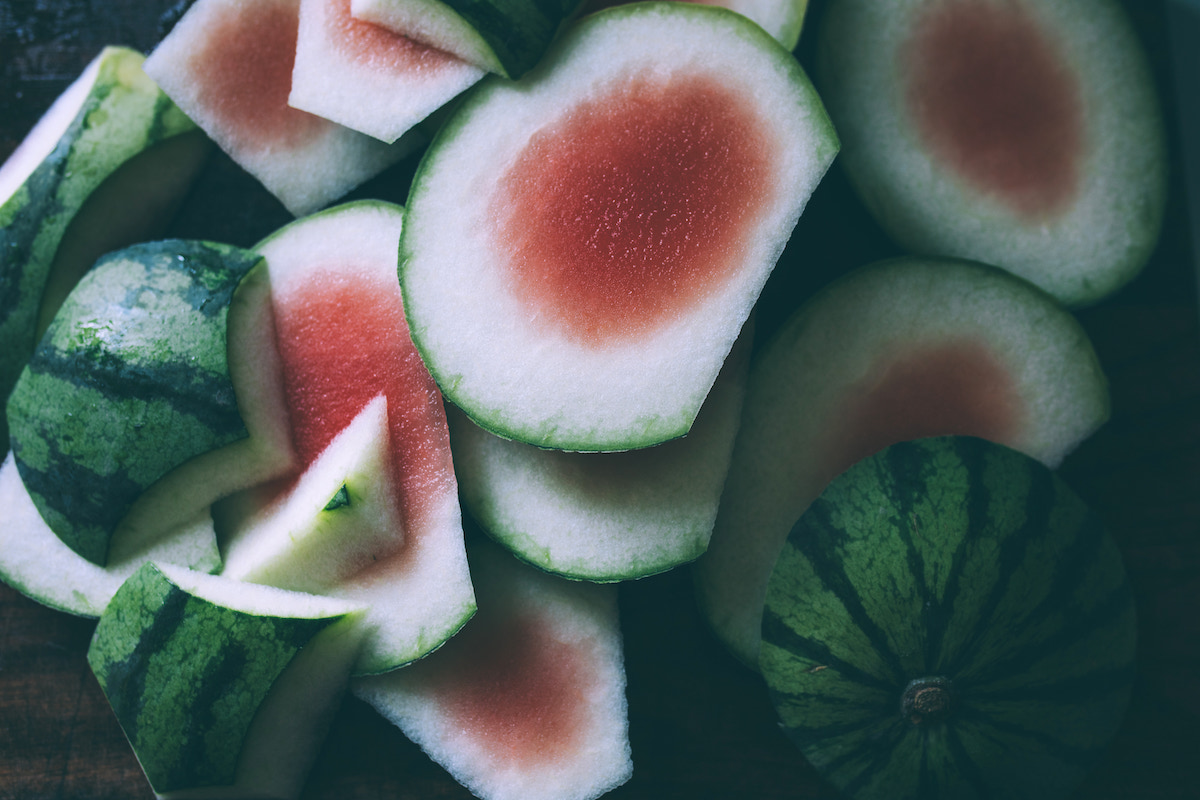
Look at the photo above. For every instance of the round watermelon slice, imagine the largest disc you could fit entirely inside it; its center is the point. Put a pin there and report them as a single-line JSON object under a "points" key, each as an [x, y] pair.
{"points": [[582, 246], [1023, 134]]}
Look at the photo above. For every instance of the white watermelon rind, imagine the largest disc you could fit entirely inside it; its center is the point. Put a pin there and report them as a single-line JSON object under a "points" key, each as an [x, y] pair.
{"points": [[570, 396]]}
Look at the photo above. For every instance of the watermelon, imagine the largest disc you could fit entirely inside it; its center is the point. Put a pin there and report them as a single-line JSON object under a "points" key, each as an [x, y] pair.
{"points": [[1025, 135], [112, 137], [583, 246], [605, 516], [343, 342], [368, 78], [528, 701], [507, 38], [35, 562], [228, 64], [224, 689], [133, 379], [949, 620], [896, 350]]}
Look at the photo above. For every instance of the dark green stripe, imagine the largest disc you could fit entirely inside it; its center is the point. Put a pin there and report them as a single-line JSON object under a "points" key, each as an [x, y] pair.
{"points": [[779, 633], [1040, 742], [966, 765], [882, 749], [1013, 552], [816, 541], [1072, 689]]}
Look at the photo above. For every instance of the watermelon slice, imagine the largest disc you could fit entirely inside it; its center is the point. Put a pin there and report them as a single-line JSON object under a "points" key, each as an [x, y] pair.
{"points": [[528, 701], [605, 516], [1025, 135], [135, 412], [368, 78], [583, 246], [895, 351], [343, 342], [105, 167], [224, 689], [35, 562], [507, 37], [228, 64]]}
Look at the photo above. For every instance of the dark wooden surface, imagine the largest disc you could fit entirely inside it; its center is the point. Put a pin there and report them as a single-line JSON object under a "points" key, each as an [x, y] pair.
{"points": [[701, 725]]}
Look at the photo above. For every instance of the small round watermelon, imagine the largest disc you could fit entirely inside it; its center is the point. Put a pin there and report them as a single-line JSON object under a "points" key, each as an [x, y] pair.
{"points": [[949, 620]]}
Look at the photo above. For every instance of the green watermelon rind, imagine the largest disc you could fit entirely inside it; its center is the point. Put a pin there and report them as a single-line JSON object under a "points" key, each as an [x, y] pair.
{"points": [[130, 381], [984, 568], [121, 115], [445, 318], [186, 667]]}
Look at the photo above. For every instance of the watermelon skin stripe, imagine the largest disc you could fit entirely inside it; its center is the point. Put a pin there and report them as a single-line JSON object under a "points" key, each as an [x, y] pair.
{"points": [[226, 679], [97, 418], [1030, 617], [35, 220]]}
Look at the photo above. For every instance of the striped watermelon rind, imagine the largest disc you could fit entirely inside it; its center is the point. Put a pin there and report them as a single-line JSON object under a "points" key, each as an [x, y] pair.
{"points": [[130, 381], [109, 115], [189, 664], [961, 578]]}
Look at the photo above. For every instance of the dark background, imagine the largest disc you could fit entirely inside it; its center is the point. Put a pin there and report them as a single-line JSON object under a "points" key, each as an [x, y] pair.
{"points": [[701, 725]]}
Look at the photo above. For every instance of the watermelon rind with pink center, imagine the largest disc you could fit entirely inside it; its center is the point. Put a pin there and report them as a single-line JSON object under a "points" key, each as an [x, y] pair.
{"points": [[576, 262], [1028, 135], [528, 701]]}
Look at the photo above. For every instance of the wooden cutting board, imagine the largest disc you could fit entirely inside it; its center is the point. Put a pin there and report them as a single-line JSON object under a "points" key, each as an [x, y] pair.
{"points": [[701, 725]]}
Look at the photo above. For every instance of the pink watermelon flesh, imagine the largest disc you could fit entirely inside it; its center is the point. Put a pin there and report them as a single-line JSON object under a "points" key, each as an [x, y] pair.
{"points": [[247, 61], [633, 206], [991, 98], [343, 341], [957, 387]]}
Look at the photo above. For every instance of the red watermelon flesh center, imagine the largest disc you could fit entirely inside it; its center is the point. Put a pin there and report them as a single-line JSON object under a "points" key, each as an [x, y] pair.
{"points": [[993, 99], [516, 690], [343, 340], [379, 48], [948, 388], [633, 206], [247, 60]]}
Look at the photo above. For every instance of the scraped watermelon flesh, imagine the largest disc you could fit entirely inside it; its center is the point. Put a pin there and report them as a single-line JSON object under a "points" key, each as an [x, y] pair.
{"points": [[939, 389], [343, 340], [632, 207], [993, 99], [247, 61]]}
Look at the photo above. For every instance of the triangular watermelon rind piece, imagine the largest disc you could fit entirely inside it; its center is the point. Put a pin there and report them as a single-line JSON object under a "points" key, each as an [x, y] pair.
{"points": [[525, 372]]}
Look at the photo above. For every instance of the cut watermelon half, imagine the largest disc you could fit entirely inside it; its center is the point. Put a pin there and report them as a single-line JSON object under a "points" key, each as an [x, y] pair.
{"points": [[583, 246], [528, 701], [368, 78], [895, 351], [605, 516], [228, 64], [343, 342]]}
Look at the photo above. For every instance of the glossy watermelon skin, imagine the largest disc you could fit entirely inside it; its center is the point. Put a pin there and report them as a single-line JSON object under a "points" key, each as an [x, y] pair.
{"points": [[185, 676], [123, 114], [960, 564], [130, 380]]}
